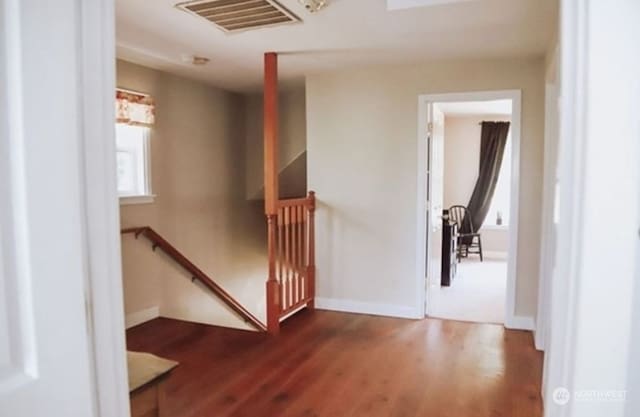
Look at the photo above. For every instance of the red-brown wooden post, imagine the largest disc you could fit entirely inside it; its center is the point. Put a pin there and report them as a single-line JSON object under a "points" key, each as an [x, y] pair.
{"points": [[271, 133], [273, 287], [271, 185], [311, 267]]}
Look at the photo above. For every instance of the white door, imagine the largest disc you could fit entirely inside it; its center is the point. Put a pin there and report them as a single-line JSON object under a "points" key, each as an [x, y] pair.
{"points": [[435, 192], [45, 359]]}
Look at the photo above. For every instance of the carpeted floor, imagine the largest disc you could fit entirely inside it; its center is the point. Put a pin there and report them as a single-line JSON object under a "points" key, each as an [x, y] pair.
{"points": [[477, 293]]}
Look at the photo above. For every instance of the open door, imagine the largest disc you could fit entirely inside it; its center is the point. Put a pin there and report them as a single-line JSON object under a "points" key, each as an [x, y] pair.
{"points": [[435, 194], [46, 351]]}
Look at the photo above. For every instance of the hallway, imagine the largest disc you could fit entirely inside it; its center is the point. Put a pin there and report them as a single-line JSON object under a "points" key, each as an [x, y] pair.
{"points": [[336, 364], [477, 293]]}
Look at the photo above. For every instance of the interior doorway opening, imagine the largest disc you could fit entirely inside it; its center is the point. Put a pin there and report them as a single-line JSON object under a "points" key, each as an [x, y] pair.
{"points": [[471, 165]]}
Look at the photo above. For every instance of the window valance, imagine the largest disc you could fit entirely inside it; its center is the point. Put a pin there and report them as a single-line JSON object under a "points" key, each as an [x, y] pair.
{"points": [[134, 108]]}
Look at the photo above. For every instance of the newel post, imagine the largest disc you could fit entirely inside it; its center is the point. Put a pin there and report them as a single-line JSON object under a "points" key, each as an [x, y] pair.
{"points": [[271, 184], [311, 267], [273, 286], [271, 133]]}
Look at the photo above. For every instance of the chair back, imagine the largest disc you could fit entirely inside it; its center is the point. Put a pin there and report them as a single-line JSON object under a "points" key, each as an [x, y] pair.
{"points": [[460, 215]]}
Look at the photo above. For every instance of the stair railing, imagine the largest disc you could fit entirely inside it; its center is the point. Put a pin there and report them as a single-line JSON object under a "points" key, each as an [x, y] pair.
{"points": [[291, 248], [197, 274]]}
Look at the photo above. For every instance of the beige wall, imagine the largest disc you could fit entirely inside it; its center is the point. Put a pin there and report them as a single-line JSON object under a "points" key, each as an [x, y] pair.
{"points": [[461, 166], [292, 142], [362, 162], [198, 174]]}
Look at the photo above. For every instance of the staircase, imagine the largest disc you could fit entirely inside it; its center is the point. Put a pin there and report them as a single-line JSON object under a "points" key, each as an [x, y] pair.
{"points": [[158, 242], [290, 284]]}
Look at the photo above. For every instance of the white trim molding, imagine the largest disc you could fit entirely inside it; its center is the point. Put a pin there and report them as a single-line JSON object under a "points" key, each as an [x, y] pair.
{"points": [[96, 50], [361, 307], [495, 255], [142, 316], [421, 251], [136, 199], [594, 291], [520, 323]]}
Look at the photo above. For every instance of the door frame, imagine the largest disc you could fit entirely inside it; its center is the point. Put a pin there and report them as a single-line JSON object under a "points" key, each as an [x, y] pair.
{"points": [[512, 321], [89, 59], [591, 317], [95, 49], [548, 228], [429, 184]]}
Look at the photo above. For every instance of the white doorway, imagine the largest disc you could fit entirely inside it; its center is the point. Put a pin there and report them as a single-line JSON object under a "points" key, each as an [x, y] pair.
{"points": [[449, 134]]}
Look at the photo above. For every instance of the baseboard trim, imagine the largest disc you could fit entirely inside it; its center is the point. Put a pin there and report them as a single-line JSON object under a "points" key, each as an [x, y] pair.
{"points": [[538, 342], [497, 255], [142, 316], [520, 323], [360, 307]]}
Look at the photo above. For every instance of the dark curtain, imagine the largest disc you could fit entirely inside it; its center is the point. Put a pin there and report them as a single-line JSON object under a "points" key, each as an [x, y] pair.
{"points": [[493, 141]]}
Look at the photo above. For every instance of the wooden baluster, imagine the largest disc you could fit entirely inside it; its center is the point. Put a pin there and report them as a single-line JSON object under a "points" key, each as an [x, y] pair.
{"points": [[292, 270], [305, 282], [301, 267], [281, 255], [273, 288], [287, 260], [311, 267], [280, 244], [294, 256], [296, 294]]}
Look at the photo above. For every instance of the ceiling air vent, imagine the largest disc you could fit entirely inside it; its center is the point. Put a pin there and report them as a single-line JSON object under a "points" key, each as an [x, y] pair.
{"points": [[240, 15]]}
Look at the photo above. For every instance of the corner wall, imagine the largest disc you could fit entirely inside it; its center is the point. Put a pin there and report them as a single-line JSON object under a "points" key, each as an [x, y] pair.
{"points": [[198, 175], [292, 143], [362, 162]]}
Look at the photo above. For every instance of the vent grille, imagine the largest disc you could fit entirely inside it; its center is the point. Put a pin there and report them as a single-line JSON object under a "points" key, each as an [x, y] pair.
{"points": [[240, 15]]}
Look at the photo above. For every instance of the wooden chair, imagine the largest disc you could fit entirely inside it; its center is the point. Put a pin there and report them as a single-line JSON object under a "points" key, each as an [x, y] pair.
{"points": [[469, 242]]}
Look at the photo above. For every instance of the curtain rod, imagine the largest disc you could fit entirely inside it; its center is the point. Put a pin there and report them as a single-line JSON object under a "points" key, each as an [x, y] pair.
{"points": [[495, 121]]}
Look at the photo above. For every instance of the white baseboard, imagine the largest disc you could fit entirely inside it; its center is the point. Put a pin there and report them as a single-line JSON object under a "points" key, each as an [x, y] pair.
{"points": [[538, 341], [520, 323], [497, 255], [141, 316], [359, 307]]}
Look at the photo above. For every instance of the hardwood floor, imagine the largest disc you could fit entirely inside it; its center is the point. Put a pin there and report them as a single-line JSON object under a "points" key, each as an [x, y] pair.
{"points": [[328, 364]]}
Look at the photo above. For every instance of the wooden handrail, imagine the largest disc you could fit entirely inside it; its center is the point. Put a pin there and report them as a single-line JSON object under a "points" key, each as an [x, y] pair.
{"points": [[196, 273], [293, 202]]}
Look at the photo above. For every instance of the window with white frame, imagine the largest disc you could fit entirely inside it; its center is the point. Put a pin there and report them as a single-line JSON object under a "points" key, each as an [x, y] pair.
{"points": [[499, 210], [135, 114], [132, 156]]}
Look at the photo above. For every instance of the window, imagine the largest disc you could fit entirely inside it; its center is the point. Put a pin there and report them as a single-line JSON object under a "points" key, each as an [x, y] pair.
{"points": [[499, 210], [132, 158], [135, 114]]}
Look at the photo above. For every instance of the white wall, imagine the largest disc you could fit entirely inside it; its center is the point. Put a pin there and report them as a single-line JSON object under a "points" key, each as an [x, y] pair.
{"points": [[362, 150], [292, 141], [461, 166], [198, 174], [461, 158]]}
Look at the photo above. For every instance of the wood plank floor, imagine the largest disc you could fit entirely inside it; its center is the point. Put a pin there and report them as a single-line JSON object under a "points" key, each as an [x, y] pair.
{"points": [[328, 364]]}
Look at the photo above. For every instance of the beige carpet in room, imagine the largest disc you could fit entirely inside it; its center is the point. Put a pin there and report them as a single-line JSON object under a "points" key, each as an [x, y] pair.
{"points": [[477, 293]]}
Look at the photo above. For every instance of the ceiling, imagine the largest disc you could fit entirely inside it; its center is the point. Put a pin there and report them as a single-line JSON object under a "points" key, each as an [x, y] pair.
{"points": [[491, 107], [346, 34]]}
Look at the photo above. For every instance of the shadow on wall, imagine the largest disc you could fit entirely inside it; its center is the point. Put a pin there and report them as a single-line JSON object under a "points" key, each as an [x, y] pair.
{"points": [[199, 173]]}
